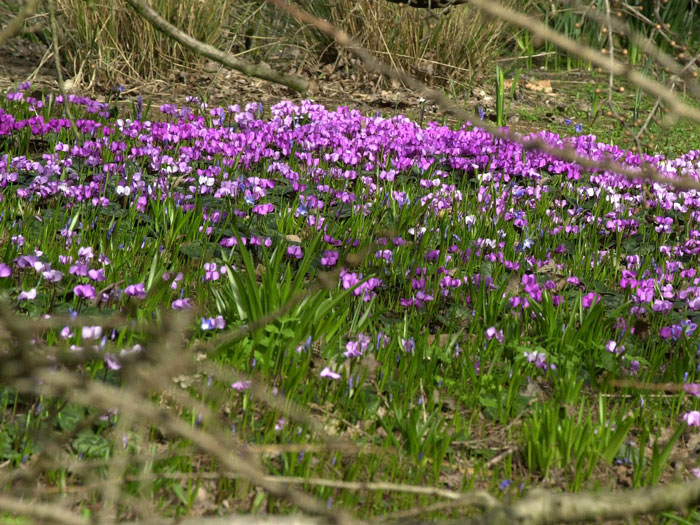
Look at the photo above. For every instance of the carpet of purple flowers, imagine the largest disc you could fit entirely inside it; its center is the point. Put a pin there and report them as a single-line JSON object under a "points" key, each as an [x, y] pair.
{"points": [[504, 284]]}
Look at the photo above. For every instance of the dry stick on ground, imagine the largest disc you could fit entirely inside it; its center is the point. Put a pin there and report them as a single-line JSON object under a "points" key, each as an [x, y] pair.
{"points": [[540, 507], [252, 70], [16, 23], [453, 109]]}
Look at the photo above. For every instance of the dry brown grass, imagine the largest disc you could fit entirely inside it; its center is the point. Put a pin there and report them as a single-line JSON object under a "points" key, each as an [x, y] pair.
{"points": [[459, 43], [106, 39]]}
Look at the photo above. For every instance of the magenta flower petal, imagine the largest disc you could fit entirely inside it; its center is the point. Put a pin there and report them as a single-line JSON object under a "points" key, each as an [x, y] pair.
{"points": [[327, 372], [5, 270], [84, 291]]}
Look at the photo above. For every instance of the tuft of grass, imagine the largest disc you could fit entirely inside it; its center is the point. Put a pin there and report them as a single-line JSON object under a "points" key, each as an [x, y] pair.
{"points": [[107, 41]]}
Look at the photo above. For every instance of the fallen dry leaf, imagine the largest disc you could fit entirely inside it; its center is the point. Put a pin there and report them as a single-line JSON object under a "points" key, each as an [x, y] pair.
{"points": [[543, 86]]}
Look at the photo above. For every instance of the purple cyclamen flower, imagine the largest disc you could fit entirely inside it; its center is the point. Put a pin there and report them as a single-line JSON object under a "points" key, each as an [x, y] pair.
{"points": [[348, 279], [352, 349], [614, 348], [53, 276], [329, 258], [327, 372], [97, 275], [692, 418], [493, 332], [590, 299], [137, 290], [181, 304], [29, 295], [91, 332], [210, 323], [240, 386], [537, 358], [692, 388], [112, 362], [85, 291], [295, 251]]}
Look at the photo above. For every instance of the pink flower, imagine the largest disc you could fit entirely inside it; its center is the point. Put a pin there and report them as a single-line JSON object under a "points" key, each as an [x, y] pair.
{"points": [[263, 209], [590, 299], [240, 386], [327, 372], [182, 304], [84, 291], [27, 296], [209, 323], [692, 388], [5, 270], [295, 251], [136, 290], [348, 279], [692, 418], [614, 348], [112, 362], [352, 349], [537, 358], [91, 332], [493, 332]]}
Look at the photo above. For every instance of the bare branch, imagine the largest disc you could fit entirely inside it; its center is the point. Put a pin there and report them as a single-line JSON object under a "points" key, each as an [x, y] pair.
{"points": [[252, 70], [540, 507]]}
